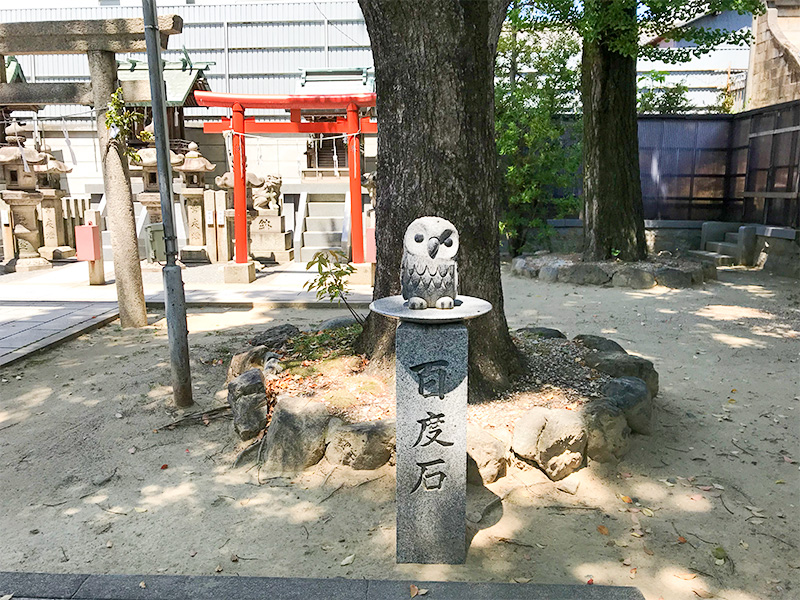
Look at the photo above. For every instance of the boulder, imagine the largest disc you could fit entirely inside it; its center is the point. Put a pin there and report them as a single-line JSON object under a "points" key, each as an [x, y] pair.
{"points": [[296, 435], [631, 277], [617, 364], [673, 278], [362, 446], [252, 359], [247, 397], [596, 342], [583, 274], [486, 456], [337, 322], [275, 338], [522, 268], [555, 439], [631, 396], [542, 332], [607, 432], [549, 274]]}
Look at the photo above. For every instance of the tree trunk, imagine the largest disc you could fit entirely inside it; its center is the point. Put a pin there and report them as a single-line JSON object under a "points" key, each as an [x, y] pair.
{"points": [[612, 190], [119, 200], [434, 66]]}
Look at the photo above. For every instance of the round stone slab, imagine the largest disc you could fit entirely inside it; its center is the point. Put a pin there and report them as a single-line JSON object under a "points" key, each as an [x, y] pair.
{"points": [[466, 307]]}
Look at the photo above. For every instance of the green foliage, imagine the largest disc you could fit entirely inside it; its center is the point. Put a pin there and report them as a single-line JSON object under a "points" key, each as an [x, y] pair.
{"points": [[538, 160], [121, 123], [332, 271], [621, 24], [327, 344], [656, 97]]}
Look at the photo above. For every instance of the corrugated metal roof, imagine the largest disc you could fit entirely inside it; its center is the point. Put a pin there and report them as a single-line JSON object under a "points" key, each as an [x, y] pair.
{"points": [[268, 43]]}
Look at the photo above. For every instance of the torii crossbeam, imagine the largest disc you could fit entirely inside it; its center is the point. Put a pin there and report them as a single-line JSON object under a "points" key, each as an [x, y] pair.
{"points": [[352, 125]]}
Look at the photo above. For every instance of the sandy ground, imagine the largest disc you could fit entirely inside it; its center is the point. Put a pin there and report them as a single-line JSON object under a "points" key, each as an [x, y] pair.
{"points": [[87, 486]]}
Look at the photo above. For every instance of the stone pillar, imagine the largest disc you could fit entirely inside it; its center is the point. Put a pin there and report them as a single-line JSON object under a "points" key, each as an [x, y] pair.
{"points": [[5, 231], [195, 250], [55, 244], [431, 395], [119, 199], [431, 369], [26, 230]]}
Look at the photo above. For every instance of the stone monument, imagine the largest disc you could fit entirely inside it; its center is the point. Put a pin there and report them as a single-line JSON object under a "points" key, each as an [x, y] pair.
{"points": [[193, 173], [270, 242], [22, 198], [56, 238], [431, 387]]}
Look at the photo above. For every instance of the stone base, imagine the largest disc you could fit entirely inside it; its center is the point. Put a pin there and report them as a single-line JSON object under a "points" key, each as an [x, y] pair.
{"points": [[240, 272], [57, 252], [23, 265], [363, 275], [194, 254]]}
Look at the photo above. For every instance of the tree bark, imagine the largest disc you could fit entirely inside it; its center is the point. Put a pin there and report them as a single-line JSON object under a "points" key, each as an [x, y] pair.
{"points": [[119, 199], [612, 190], [434, 69]]}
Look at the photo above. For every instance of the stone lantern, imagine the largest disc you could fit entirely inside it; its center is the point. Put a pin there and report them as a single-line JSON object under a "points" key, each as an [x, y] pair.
{"points": [[150, 197], [193, 173], [55, 237], [22, 198]]}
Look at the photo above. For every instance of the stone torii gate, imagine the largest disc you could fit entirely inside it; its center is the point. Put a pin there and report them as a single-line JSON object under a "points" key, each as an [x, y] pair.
{"points": [[353, 125], [99, 39]]}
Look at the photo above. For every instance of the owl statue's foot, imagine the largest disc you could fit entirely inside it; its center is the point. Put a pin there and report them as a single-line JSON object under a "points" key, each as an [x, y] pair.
{"points": [[444, 302], [415, 303]]}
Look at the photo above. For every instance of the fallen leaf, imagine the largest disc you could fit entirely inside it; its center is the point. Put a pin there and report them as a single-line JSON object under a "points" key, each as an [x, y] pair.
{"points": [[109, 544], [780, 481], [422, 591], [686, 576], [719, 562], [193, 553], [719, 553], [621, 543], [733, 391], [626, 499], [540, 546], [705, 488], [697, 497], [522, 579], [637, 533], [348, 560], [701, 593], [602, 529], [788, 459], [681, 539], [627, 562], [139, 509], [234, 558], [647, 512], [218, 569], [647, 551], [633, 572], [164, 467], [744, 544], [590, 582], [7, 597], [718, 486], [142, 584], [414, 590]]}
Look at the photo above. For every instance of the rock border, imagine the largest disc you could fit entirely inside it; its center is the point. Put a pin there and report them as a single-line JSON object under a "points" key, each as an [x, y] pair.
{"points": [[301, 432], [551, 268]]}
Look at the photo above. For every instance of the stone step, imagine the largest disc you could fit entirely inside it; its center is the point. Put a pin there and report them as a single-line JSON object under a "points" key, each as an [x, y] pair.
{"points": [[724, 248], [308, 252], [326, 209], [732, 237], [325, 198], [322, 239], [720, 260], [324, 224]]}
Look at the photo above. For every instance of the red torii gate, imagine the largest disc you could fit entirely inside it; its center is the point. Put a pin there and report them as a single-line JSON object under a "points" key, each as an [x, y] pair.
{"points": [[351, 125]]}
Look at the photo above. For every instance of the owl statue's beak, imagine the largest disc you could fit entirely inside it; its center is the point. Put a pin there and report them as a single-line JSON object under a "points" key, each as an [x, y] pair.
{"points": [[433, 247]]}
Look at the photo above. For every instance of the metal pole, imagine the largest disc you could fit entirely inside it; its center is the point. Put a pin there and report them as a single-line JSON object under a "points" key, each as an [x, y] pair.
{"points": [[174, 301]]}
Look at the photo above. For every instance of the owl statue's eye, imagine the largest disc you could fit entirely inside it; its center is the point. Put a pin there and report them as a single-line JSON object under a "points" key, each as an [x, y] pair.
{"points": [[448, 242], [418, 238]]}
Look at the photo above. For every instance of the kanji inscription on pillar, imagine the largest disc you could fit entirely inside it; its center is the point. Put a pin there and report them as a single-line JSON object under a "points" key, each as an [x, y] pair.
{"points": [[431, 442]]}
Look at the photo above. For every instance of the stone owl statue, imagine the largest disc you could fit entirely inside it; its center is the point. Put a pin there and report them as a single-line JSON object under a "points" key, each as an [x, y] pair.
{"points": [[429, 273]]}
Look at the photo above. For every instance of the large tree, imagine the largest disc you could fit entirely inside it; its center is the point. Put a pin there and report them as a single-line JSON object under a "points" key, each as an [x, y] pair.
{"points": [[434, 65], [611, 31]]}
